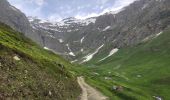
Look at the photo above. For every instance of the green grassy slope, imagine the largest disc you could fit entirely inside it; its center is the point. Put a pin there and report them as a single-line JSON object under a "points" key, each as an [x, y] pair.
{"points": [[38, 74], [143, 71]]}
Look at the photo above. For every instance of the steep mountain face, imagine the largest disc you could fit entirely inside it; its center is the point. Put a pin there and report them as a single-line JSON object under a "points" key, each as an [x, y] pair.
{"points": [[60, 36], [14, 17], [139, 20], [80, 40], [17, 20]]}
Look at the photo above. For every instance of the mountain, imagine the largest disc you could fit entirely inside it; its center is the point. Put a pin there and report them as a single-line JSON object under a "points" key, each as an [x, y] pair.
{"points": [[57, 35], [17, 20], [14, 18], [81, 40]]}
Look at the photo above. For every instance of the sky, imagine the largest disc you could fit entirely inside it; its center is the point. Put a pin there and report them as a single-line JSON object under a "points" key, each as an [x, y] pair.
{"points": [[60, 9]]}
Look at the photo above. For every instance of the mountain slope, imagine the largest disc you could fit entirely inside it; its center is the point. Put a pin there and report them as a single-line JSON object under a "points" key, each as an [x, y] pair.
{"points": [[128, 27], [18, 21], [30, 72], [142, 71], [14, 18]]}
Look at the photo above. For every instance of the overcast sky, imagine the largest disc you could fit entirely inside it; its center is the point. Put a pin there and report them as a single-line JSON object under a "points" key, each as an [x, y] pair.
{"points": [[59, 9]]}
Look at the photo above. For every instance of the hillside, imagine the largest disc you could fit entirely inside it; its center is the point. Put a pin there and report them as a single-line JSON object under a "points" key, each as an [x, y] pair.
{"points": [[142, 71], [29, 72]]}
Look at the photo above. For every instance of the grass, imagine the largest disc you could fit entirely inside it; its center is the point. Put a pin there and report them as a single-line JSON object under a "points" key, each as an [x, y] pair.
{"points": [[143, 71], [39, 74]]}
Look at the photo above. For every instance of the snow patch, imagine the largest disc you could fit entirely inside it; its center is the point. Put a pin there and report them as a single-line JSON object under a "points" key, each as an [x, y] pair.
{"points": [[69, 21], [69, 30], [110, 54], [159, 34], [152, 36], [159, 0], [90, 56], [157, 98], [61, 23], [49, 35], [74, 61], [30, 19], [106, 28], [60, 40], [46, 48], [115, 11], [70, 53], [144, 6], [89, 20], [81, 41], [43, 21]]}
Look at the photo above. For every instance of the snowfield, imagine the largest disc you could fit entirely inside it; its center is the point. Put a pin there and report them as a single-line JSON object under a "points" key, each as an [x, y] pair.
{"points": [[90, 56], [110, 54]]}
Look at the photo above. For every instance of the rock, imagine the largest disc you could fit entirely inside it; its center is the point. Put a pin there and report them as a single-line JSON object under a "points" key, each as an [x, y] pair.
{"points": [[139, 76], [96, 73], [107, 78], [114, 87], [0, 64], [50, 93], [59, 65], [157, 98], [117, 88], [26, 71], [16, 58]]}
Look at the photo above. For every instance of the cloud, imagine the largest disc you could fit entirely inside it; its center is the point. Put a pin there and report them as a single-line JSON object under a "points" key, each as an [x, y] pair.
{"points": [[54, 18], [29, 7], [59, 9], [119, 4], [84, 16], [102, 1], [37, 2]]}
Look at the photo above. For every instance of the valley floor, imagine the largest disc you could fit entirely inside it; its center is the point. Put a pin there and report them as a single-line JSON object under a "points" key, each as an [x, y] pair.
{"points": [[88, 92]]}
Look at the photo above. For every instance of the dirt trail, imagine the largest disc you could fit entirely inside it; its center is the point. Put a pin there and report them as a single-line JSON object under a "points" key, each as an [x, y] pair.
{"points": [[88, 92]]}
